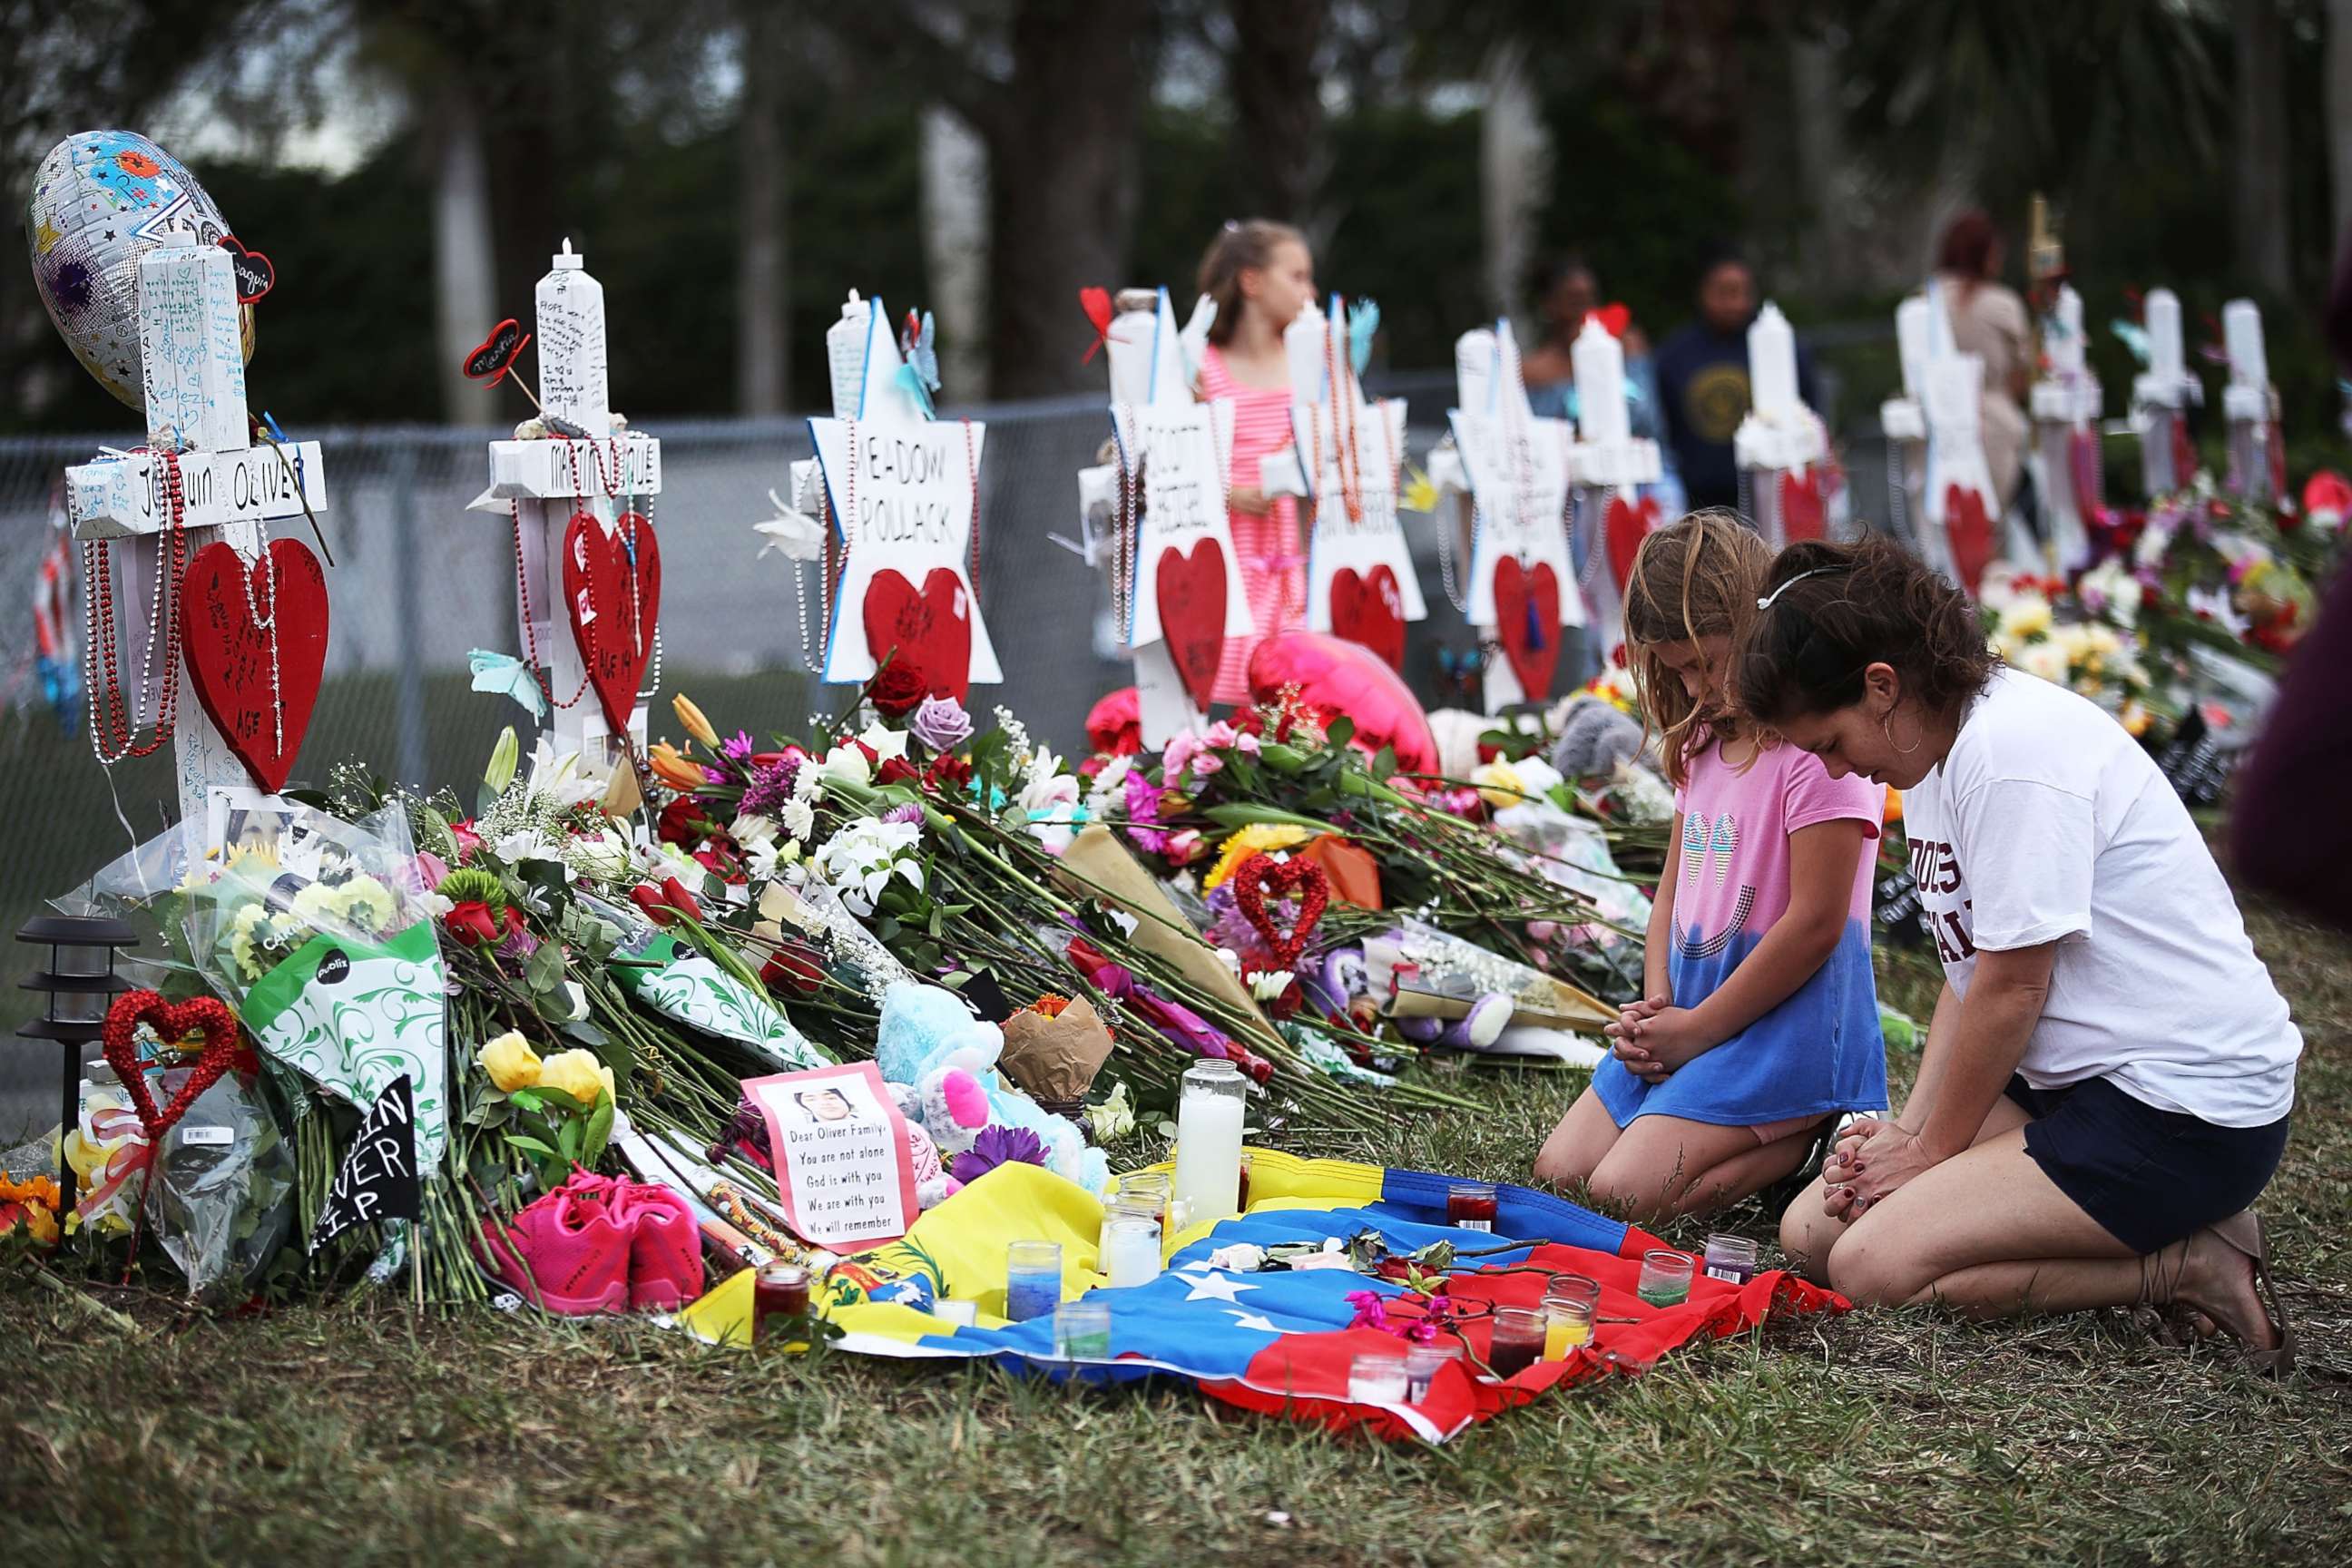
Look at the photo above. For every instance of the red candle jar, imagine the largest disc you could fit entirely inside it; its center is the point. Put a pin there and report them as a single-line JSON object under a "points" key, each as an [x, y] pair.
{"points": [[1518, 1342], [1470, 1205], [779, 1289]]}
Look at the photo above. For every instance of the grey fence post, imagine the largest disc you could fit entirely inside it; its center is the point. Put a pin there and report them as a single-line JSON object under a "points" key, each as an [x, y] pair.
{"points": [[409, 693]]}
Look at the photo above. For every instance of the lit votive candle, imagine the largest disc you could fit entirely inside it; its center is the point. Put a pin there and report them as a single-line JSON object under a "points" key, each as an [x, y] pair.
{"points": [[1666, 1277], [1568, 1323], [1731, 1258], [1032, 1279]]}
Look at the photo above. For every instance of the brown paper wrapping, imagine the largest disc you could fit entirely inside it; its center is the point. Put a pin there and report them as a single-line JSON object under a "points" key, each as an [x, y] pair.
{"points": [[1096, 863], [1058, 1058]]}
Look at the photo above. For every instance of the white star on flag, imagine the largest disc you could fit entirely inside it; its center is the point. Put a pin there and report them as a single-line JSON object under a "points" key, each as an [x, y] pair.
{"points": [[1217, 1288], [1251, 1320]]}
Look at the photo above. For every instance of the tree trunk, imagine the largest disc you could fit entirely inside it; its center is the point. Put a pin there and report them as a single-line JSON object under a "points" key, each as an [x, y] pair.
{"points": [[2263, 221], [2339, 112], [1514, 177], [762, 282], [956, 251], [1281, 145], [465, 287], [1063, 148]]}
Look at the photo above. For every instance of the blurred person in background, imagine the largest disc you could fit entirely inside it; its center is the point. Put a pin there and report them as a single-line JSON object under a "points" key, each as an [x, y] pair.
{"points": [[1701, 373], [1990, 321], [1566, 291]]}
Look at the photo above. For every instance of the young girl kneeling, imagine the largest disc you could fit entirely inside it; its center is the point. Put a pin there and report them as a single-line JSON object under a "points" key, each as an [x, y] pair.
{"points": [[1759, 1022]]}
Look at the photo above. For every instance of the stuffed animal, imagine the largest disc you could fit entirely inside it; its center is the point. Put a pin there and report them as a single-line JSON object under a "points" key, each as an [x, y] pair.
{"points": [[927, 1037], [1594, 738], [933, 1185]]}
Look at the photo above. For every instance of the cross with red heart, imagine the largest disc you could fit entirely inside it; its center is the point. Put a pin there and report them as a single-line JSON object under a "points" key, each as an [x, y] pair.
{"points": [[255, 639], [1627, 524], [172, 1023], [1190, 589], [1526, 617], [1369, 610], [929, 631], [1969, 528], [1802, 513], [1260, 877], [611, 592]]}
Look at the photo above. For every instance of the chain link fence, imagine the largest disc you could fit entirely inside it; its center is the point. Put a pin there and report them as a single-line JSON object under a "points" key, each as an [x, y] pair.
{"points": [[419, 581]]}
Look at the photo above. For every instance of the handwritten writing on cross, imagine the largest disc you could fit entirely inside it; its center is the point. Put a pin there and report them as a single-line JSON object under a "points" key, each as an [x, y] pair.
{"points": [[194, 368], [1515, 468], [903, 491], [543, 484]]}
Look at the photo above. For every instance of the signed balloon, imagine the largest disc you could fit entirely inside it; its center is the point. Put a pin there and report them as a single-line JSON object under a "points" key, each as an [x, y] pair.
{"points": [[101, 200]]}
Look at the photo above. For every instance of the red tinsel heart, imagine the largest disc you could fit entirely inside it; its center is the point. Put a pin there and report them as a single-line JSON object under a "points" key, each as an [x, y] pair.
{"points": [[1628, 523], [255, 639], [1190, 590], [929, 631], [1369, 610], [611, 592], [1800, 505], [172, 1023], [1262, 876], [1527, 623], [1969, 528]]}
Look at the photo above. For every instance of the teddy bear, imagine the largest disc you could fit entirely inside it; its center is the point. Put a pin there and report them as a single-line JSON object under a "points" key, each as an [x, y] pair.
{"points": [[930, 1042], [933, 1185]]}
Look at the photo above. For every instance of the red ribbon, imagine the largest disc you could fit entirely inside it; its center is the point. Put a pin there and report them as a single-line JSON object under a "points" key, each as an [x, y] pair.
{"points": [[1096, 303]]}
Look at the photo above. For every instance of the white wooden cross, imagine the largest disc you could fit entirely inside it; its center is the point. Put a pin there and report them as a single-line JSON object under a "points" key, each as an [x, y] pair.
{"points": [[1361, 581], [2065, 405], [902, 491], [583, 465], [1957, 524], [1173, 462], [1780, 446], [1512, 469], [2161, 398], [1607, 467], [2246, 403], [192, 366]]}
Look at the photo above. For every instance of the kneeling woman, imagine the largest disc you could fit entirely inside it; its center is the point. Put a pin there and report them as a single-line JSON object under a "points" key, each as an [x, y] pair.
{"points": [[2108, 1072]]}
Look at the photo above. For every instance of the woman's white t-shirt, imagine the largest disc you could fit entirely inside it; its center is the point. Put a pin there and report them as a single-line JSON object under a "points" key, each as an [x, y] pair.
{"points": [[2047, 823]]}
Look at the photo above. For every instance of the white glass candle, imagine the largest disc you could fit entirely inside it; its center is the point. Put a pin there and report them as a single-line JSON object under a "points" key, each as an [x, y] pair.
{"points": [[1129, 1249], [1600, 361], [1209, 1117], [1771, 364]]}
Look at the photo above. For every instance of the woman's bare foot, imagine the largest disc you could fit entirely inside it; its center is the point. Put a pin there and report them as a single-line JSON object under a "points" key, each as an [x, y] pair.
{"points": [[2217, 1283]]}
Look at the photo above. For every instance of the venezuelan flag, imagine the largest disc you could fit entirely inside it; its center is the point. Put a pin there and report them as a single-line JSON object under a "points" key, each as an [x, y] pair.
{"points": [[1280, 1341]]}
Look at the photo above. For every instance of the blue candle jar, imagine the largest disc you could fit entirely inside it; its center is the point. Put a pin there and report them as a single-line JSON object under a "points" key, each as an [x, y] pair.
{"points": [[1032, 1279]]}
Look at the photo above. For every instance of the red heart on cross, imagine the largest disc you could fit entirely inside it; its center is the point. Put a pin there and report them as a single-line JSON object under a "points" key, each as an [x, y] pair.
{"points": [[1969, 529], [929, 632], [612, 593], [1615, 316], [1369, 610], [1261, 877], [1526, 617], [1190, 590], [1626, 524], [254, 635], [1801, 512], [172, 1023]]}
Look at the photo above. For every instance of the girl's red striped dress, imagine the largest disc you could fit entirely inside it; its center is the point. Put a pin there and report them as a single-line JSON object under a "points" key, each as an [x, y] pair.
{"points": [[1273, 562]]}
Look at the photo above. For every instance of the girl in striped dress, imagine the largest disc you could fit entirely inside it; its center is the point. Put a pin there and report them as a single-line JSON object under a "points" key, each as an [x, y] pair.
{"points": [[1261, 276]]}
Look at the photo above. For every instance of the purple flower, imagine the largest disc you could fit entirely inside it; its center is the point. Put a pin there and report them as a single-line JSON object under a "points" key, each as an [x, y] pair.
{"points": [[997, 1146], [908, 813], [740, 749], [1142, 812], [769, 789], [941, 723]]}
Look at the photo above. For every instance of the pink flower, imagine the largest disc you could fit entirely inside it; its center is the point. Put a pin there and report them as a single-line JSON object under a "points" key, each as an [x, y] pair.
{"points": [[1223, 737], [1184, 847]]}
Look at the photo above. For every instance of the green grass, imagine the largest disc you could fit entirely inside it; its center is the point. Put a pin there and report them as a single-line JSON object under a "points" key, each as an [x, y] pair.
{"points": [[1878, 1437]]}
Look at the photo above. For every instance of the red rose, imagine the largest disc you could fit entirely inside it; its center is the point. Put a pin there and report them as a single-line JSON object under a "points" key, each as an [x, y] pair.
{"points": [[948, 772], [475, 924], [685, 822], [897, 688], [897, 770], [794, 967]]}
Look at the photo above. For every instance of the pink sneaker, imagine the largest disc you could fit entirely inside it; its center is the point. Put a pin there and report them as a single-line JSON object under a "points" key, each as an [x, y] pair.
{"points": [[665, 1250], [565, 1252]]}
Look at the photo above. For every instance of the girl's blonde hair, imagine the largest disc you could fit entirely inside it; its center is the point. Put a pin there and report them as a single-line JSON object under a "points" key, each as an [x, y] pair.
{"points": [[1238, 247], [1695, 578]]}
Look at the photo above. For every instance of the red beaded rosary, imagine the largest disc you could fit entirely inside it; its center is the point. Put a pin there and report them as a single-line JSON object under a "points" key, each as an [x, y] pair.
{"points": [[110, 725]]}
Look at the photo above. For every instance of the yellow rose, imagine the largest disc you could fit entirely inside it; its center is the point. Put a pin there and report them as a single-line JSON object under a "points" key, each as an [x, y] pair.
{"points": [[577, 1073], [1499, 784], [511, 1063]]}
